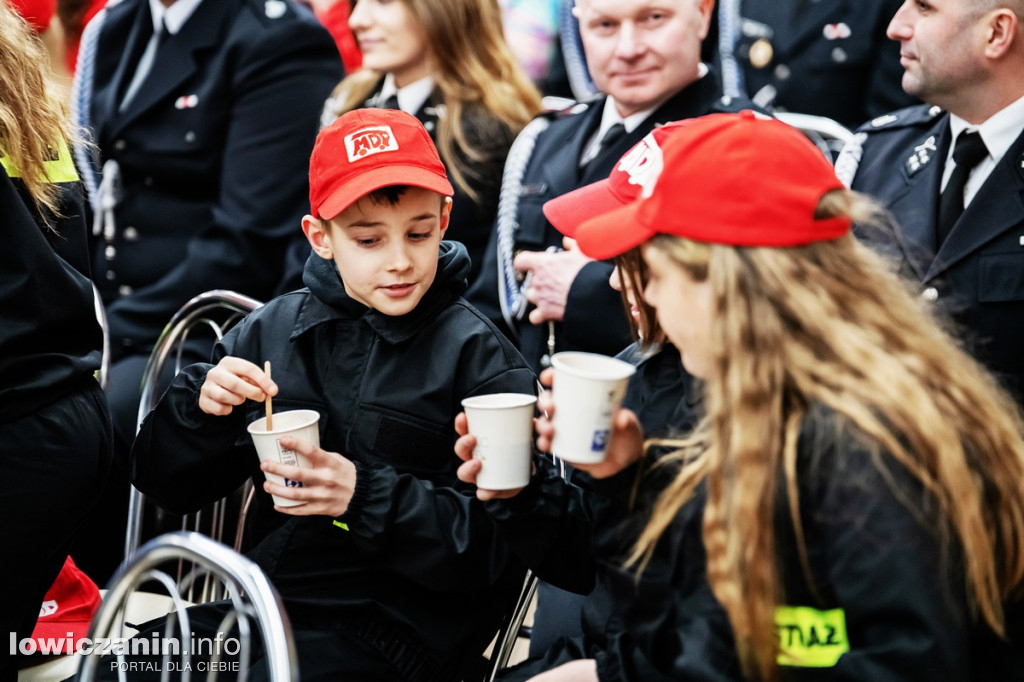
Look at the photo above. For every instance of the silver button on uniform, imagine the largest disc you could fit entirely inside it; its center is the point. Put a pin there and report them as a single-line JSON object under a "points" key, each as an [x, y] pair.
{"points": [[131, 234], [930, 294]]}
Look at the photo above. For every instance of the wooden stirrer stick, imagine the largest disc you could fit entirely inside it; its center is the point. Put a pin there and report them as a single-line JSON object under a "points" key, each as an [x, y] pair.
{"points": [[270, 409]]}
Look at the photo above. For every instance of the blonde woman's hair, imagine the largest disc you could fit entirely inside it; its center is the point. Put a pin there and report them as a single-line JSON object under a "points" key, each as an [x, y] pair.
{"points": [[33, 115], [474, 69], [830, 323]]}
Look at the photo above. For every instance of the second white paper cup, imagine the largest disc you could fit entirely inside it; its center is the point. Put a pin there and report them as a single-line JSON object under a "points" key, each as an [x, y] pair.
{"points": [[303, 424], [588, 388], [503, 426]]}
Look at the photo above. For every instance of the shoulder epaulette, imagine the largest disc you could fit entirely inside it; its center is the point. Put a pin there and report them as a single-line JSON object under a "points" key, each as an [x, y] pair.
{"points": [[559, 107], [920, 114]]}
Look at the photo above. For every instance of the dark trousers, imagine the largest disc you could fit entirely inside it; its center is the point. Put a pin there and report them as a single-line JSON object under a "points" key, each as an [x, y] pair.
{"points": [[99, 549], [52, 466]]}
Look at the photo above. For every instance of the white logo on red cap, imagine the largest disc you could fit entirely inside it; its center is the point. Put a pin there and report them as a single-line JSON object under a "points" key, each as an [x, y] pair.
{"points": [[48, 608], [643, 164], [368, 141]]}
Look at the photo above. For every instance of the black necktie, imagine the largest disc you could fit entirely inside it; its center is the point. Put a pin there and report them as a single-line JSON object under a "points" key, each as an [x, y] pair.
{"points": [[610, 137], [968, 152], [391, 102]]}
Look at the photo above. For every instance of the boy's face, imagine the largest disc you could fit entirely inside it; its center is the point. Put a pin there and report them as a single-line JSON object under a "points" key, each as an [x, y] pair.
{"points": [[386, 254]]}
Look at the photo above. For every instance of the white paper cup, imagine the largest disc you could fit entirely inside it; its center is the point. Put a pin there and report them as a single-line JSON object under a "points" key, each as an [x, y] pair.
{"points": [[587, 389], [503, 426], [292, 423]]}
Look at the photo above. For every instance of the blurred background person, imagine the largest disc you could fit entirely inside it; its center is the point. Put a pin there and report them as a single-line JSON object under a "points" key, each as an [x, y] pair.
{"points": [[447, 63], [822, 57], [55, 432], [203, 115]]}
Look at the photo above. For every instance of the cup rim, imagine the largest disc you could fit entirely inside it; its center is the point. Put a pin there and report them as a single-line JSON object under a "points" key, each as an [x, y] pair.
{"points": [[311, 417], [609, 369], [476, 402]]}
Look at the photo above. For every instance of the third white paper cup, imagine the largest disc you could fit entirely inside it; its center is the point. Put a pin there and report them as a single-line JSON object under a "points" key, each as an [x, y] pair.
{"points": [[301, 424], [503, 426], [587, 390]]}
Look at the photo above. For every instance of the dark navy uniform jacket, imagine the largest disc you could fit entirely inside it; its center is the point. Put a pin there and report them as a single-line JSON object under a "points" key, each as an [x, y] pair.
{"points": [[978, 273], [213, 152], [594, 316], [824, 57]]}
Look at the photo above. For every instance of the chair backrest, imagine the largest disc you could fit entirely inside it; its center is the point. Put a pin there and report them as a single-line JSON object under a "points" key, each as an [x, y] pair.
{"points": [[828, 135], [512, 629], [207, 316], [256, 607], [101, 317]]}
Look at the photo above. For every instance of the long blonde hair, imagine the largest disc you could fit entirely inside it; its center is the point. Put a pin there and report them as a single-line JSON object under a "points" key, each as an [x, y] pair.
{"points": [[475, 71], [33, 115], [830, 323]]}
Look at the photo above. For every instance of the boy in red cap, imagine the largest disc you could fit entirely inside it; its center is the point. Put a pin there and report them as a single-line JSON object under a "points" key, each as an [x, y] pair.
{"points": [[390, 569], [865, 511]]}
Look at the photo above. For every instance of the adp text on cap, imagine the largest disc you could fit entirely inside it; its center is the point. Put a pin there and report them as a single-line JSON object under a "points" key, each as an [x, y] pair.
{"points": [[367, 149]]}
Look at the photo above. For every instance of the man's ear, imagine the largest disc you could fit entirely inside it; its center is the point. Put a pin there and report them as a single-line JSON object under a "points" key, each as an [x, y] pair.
{"points": [[317, 233], [1002, 31], [446, 214]]}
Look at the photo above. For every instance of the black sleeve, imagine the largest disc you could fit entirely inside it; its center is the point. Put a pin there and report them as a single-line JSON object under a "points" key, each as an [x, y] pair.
{"points": [[595, 318]]}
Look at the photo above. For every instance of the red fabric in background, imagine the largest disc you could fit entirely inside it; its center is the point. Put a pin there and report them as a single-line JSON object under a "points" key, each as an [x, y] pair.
{"points": [[36, 12], [335, 20], [71, 55]]}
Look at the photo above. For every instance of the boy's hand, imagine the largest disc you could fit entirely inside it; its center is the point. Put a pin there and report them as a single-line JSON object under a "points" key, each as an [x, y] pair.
{"points": [[470, 467], [327, 486], [231, 382], [625, 446]]}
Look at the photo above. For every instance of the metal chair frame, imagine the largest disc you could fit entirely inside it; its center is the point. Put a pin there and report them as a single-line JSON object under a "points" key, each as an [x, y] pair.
{"points": [[828, 135], [216, 310], [255, 603]]}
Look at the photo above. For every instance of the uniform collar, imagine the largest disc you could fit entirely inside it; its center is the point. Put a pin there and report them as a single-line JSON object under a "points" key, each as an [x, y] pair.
{"points": [[173, 17], [998, 131], [412, 97]]}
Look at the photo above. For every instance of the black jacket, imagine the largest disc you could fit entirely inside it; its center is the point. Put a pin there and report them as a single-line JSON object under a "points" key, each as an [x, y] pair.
{"points": [[420, 564], [977, 276], [594, 318], [882, 570], [213, 153], [50, 340]]}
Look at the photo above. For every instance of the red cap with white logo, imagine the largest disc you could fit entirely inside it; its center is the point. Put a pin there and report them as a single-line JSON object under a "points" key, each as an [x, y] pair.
{"points": [[367, 149], [633, 177], [68, 607]]}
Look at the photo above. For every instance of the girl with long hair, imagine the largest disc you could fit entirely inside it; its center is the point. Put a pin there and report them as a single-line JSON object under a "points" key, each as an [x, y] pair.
{"points": [[55, 429], [447, 63], [864, 475]]}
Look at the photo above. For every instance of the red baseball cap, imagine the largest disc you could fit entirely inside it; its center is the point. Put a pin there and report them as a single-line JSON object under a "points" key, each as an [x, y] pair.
{"points": [[68, 606], [366, 149], [632, 178], [736, 179]]}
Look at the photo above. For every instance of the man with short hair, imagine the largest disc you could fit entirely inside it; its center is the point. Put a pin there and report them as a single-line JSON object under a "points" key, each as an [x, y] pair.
{"points": [[645, 56], [952, 171]]}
